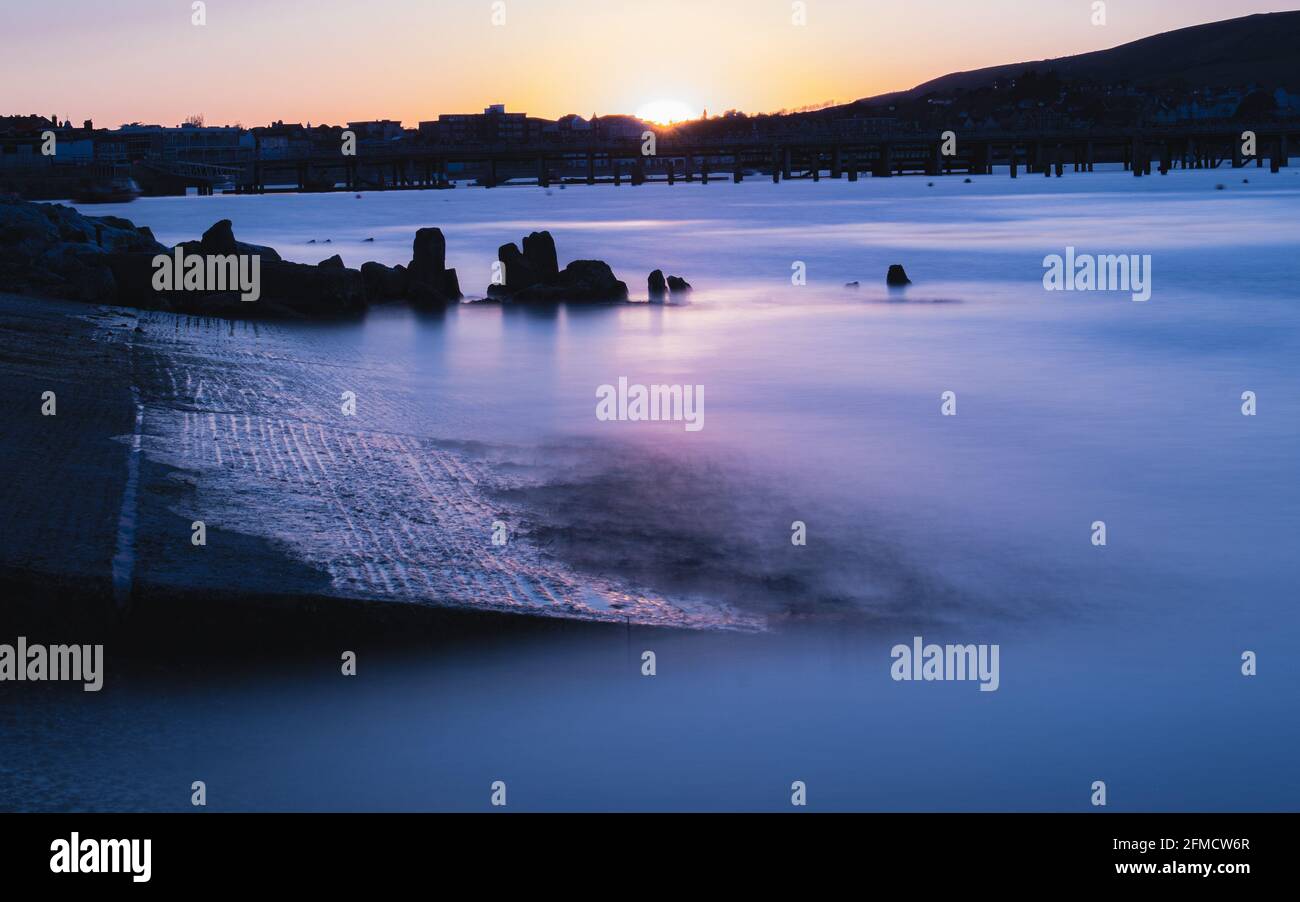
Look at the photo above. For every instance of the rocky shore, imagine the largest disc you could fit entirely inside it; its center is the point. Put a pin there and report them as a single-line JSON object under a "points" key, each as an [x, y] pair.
{"points": [[51, 250]]}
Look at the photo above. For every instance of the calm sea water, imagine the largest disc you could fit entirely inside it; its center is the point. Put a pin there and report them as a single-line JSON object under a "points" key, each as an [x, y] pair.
{"points": [[822, 404]]}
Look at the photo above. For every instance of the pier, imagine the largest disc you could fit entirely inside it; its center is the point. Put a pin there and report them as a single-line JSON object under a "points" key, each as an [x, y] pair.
{"points": [[775, 158]]}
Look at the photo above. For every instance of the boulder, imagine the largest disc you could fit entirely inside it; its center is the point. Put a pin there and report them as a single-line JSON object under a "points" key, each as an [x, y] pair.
{"points": [[517, 270], [897, 276], [312, 290], [384, 283], [220, 241], [658, 287], [678, 285], [582, 281], [429, 282], [335, 262], [531, 276], [55, 251], [539, 250]]}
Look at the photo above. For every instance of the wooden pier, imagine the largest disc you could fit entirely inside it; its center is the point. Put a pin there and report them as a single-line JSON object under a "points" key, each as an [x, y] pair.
{"points": [[777, 158]]}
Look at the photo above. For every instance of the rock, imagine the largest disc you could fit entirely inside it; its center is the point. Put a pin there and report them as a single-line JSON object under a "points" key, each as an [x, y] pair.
{"points": [[529, 276], [852, 285], [451, 285], [582, 281], [335, 262], [429, 282], [518, 270], [897, 276], [384, 283], [658, 287], [428, 253], [539, 250], [312, 290], [678, 285], [55, 251], [220, 241]]}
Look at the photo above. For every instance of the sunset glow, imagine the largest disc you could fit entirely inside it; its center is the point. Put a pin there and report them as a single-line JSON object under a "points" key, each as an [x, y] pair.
{"points": [[666, 112], [249, 62]]}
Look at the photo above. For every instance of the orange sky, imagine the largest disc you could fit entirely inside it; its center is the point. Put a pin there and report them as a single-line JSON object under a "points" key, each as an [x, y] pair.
{"points": [[339, 60]]}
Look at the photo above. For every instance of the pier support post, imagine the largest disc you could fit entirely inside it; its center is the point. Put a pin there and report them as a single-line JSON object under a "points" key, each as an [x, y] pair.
{"points": [[543, 177], [837, 163], [738, 174], [591, 168], [704, 172], [853, 167], [785, 163], [1015, 162], [885, 165]]}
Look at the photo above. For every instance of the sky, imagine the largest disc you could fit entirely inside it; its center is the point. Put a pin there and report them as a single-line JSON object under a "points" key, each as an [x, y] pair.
{"points": [[255, 61]]}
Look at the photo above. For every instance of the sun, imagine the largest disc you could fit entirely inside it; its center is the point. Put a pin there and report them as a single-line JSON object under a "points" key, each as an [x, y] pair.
{"points": [[666, 112]]}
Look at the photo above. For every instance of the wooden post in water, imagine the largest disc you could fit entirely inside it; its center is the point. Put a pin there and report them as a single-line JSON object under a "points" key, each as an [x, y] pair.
{"points": [[785, 163], [543, 177], [885, 165], [837, 163], [1011, 153], [704, 171], [738, 174], [853, 167]]}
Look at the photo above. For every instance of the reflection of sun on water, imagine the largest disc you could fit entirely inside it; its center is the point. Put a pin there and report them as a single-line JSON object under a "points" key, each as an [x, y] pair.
{"points": [[666, 112]]}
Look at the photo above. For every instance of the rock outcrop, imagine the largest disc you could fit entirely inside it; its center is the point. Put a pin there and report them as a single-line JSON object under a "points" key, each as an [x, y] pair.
{"points": [[428, 281], [533, 276], [657, 286], [54, 251], [897, 276]]}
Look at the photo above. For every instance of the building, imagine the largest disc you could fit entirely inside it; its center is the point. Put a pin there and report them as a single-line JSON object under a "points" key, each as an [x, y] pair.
{"points": [[493, 126]]}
